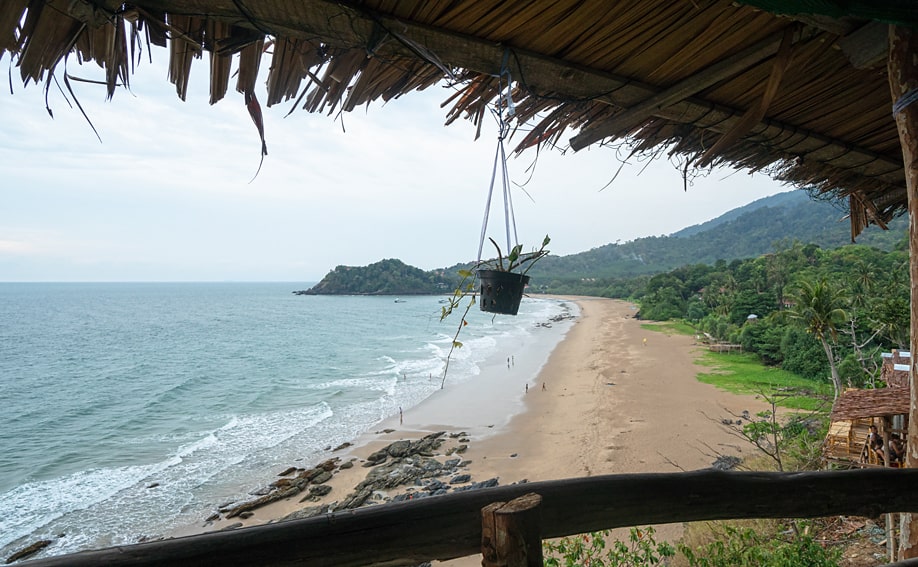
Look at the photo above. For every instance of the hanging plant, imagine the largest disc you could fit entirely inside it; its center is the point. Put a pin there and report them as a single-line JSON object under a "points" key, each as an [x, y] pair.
{"points": [[502, 281], [502, 287]]}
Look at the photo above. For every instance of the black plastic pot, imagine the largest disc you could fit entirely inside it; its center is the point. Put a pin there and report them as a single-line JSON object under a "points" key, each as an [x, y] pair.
{"points": [[501, 292]]}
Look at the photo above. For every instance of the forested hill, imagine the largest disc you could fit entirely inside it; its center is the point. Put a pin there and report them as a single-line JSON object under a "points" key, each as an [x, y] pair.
{"points": [[781, 200], [750, 231], [386, 277], [755, 229]]}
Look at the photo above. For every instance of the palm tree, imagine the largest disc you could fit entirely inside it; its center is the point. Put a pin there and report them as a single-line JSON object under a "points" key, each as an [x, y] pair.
{"points": [[819, 307]]}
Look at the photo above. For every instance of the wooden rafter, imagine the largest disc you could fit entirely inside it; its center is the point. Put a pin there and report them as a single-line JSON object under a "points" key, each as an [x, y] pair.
{"points": [[682, 90]]}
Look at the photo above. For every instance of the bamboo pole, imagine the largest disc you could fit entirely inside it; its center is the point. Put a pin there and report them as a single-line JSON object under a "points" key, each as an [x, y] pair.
{"points": [[903, 80]]}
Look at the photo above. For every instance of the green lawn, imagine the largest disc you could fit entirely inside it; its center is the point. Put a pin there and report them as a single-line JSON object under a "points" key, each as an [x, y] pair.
{"points": [[670, 328], [742, 373]]}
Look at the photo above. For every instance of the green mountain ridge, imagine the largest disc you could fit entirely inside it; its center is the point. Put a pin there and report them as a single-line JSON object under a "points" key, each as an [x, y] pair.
{"points": [[755, 229], [789, 198]]}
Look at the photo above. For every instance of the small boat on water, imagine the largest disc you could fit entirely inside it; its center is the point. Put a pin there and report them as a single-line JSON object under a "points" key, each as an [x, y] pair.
{"points": [[399, 300]]}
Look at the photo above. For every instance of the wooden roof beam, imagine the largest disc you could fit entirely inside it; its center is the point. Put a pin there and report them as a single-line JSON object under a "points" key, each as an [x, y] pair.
{"points": [[712, 75]]}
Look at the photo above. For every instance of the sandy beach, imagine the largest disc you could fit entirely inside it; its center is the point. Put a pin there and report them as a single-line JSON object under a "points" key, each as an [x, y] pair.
{"points": [[611, 398]]}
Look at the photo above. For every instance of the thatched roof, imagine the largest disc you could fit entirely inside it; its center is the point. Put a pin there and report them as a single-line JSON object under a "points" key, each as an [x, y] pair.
{"points": [[859, 404], [804, 97]]}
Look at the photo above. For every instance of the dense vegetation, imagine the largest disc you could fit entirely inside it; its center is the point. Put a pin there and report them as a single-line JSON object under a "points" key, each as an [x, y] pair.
{"points": [[817, 313], [386, 277]]}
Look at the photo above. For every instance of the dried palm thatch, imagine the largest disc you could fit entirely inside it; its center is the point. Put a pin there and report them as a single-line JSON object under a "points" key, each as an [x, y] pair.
{"points": [[804, 98], [860, 404]]}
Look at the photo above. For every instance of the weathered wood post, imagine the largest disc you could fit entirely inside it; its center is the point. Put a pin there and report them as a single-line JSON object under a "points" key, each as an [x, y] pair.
{"points": [[903, 86], [887, 451], [511, 533]]}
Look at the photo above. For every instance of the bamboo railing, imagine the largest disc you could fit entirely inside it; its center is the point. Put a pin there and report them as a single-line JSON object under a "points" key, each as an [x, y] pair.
{"points": [[449, 526]]}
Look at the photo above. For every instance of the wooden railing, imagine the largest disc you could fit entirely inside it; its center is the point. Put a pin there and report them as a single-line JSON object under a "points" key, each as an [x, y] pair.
{"points": [[449, 526]]}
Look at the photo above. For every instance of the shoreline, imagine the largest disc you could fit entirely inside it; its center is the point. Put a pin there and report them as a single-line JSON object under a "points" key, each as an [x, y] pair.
{"points": [[478, 407], [604, 401]]}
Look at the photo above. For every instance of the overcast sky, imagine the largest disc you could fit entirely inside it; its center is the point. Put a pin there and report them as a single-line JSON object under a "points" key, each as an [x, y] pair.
{"points": [[166, 195]]}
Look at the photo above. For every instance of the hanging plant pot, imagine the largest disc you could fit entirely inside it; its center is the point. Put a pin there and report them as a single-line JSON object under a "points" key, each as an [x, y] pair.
{"points": [[500, 291]]}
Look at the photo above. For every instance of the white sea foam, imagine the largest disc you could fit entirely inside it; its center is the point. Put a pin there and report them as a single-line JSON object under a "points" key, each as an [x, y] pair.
{"points": [[34, 505]]}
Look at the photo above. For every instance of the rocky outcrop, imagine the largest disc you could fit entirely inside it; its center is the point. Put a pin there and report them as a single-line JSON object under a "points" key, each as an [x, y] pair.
{"points": [[317, 491], [409, 465], [726, 463], [412, 464], [284, 488], [28, 550], [306, 513]]}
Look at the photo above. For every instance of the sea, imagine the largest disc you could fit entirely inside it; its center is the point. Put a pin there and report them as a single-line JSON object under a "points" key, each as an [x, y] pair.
{"points": [[129, 410]]}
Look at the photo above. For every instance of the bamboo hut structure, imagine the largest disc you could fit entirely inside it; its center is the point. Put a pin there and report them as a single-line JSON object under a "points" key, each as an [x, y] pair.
{"points": [[853, 414], [888, 410], [856, 410], [821, 95]]}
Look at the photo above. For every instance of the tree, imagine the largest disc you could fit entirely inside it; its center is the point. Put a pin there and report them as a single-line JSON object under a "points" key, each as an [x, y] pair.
{"points": [[819, 307], [747, 302], [763, 338], [801, 353]]}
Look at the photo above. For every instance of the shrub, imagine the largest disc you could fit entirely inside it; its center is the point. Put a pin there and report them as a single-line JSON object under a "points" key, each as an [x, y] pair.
{"points": [[589, 550], [743, 547]]}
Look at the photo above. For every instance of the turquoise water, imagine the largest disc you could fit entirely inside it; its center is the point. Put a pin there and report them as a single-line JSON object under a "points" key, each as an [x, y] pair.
{"points": [[203, 390]]}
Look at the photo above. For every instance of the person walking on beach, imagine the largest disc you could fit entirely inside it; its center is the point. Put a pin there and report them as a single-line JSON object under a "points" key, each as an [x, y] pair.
{"points": [[401, 417], [645, 341]]}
